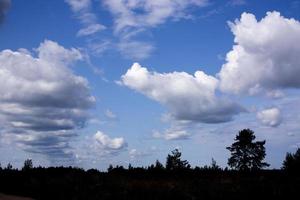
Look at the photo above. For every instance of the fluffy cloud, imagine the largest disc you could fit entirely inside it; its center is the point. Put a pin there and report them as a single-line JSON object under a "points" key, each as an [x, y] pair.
{"points": [[109, 144], [82, 10], [265, 56], [42, 103], [270, 117], [188, 97]]}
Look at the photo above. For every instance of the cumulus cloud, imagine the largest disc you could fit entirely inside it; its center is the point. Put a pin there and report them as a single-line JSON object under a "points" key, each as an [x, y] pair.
{"points": [[82, 10], [188, 97], [270, 117], [109, 144], [265, 56], [42, 103], [4, 7]]}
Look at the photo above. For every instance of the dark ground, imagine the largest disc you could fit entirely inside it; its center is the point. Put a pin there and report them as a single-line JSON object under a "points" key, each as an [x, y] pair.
{"points": [[10, 197], [74, 183]]}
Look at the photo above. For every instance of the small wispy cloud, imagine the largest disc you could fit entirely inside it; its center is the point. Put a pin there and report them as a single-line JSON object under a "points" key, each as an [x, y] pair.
{"points": [[109, 114], [83, 12], [237, 2]]}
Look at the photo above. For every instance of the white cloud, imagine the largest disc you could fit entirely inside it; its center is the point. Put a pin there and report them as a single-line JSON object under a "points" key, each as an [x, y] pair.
{"points": [[135, 49], [172, 134], [148, 13], [188, 97], [270, 117], [265, 56], [108, 143], [42, 103], [52, 52], [110, 114], [82, 10], [91, 29], [79, 5], [131, 19], [237, 2], [137, 155], [134, 17]]}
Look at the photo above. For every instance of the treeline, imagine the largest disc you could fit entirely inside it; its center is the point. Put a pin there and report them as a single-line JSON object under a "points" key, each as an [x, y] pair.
{"points": [[175, 179]]}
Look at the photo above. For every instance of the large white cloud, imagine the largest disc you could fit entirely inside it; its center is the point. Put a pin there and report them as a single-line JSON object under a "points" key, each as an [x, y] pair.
{"points": [[188, 97], [265, 56], [270, 117], [42, 102]]}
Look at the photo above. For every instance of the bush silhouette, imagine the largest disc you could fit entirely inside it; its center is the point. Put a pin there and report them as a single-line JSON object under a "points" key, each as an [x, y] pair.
{"points": [[292, 162], [27, 165], [152, 182], [9, 167], [245, 153], [174, 161]]}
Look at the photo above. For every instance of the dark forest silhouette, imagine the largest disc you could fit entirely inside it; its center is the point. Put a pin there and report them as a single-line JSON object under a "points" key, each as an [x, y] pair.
{"points": [[245, 179]]}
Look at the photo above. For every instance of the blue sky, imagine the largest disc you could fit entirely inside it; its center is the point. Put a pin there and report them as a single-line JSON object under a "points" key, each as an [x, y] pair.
{"points": [[98, 82]]}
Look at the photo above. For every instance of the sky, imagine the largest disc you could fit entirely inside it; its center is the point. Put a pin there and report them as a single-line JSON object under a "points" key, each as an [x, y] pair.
{"points": [[90, 83]]}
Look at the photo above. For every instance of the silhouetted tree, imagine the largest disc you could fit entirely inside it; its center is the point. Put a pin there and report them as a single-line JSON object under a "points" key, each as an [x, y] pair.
{"points": [[9, 167], [110, 168], [245, 153], [214, 165], [130, 167], [27, 164], [158, 165], [174, 161], [292, 161]]}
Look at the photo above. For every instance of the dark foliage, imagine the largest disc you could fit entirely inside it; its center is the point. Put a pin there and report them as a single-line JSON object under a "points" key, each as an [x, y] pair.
{"points": [[156, 182], [174, 161], [292, 162], [27, 165], [247, 154], [62, 183]]}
